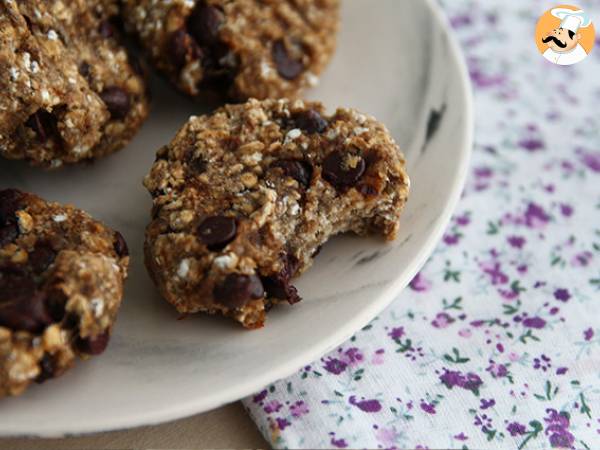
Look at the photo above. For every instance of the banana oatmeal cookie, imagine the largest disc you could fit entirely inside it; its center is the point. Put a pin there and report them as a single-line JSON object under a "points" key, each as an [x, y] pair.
{"points": [[70, 91], [245, 197], [61, 283], [237, 48]]}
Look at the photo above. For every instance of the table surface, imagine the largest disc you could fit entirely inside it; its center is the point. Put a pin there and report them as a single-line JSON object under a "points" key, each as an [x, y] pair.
{"points": [[209, 430]]}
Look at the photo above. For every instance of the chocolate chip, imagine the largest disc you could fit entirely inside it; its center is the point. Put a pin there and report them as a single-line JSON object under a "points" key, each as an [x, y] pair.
{"points": [[47, 368], [93, 345], [310, 121], [287, 67], [278, 285], [22, 307], [106, 29], [301, 171], [8, 233], [117, 101], [197, 165], [236, 290], [343, 169], [120, 245], [182, 46], [44, 124], [204, 23], [56, 301], [41, 257], [10, 203], [367, 190], [217, 231]]}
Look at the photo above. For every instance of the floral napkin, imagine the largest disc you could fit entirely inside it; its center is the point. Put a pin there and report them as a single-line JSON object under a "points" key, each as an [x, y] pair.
{"points": [[496, 343]]}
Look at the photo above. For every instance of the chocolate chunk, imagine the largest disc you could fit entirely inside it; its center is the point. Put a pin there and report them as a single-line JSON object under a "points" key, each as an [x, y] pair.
{"points": [[301, 171], [106, 29], [204, 23], [56, 301], [237, 290], [367, 190], [8, 233], [120, 245], [278, 285], [84, 69], [288, 67], [47, 368], [41, 257], [217, 231], [343, 169], [310, 121], [182, 46], [10, 203], [44, 124], [117, 102], [22, 307], [93, 345]]}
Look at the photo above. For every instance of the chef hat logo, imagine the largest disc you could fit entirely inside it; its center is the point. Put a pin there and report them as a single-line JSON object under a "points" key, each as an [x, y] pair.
{"points": [[565, 34]]}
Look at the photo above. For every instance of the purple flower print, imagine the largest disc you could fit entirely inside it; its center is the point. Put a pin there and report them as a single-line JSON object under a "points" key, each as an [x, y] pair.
{"points": [[493, 269], [485, 404], [370, 406], [378, 358], [260, 396], [497, 370], [387, 437], [299, 409], [483, 80], [463, 220], [543, 363], [516, 429], [338, 443], [588, 334], [442, 320], [469, 381], [561, 370], [272, 406], [396, 333], [335, 366], [566, 210], [352, 357], [557, 429], [590, 160], [531, 144], [429, 408], [582, 259], [534, 322], [562, 295], [461, 437], [535, 216], [516, 241], [483, 421], [483, 172], [460, 21], [282, 423], [451, 239], [419, 283]]}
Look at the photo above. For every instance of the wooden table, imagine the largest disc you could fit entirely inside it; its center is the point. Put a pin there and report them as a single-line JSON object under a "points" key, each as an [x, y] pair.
{"points": [[226, 427]]}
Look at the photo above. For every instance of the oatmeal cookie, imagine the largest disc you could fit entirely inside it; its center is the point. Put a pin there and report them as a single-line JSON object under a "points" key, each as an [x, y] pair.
{"points": [[238, 49], [70, 91], [245, 197], [61, 283]]}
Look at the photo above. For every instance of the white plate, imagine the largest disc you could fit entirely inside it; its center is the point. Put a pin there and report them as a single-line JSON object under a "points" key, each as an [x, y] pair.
{"points": [[395, 61]]}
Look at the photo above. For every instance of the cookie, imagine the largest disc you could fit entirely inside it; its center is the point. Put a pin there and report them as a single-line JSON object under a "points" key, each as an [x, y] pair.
{"points": [[61, 283], [237, 49], [245, 197], [70, 91]]}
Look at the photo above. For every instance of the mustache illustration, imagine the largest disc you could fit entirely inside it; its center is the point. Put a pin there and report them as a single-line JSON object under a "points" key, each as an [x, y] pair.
{"points": [[556, 41]]}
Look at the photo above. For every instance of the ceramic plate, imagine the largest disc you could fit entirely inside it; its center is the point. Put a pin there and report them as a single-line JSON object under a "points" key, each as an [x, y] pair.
{"points": [[395, 61]]}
